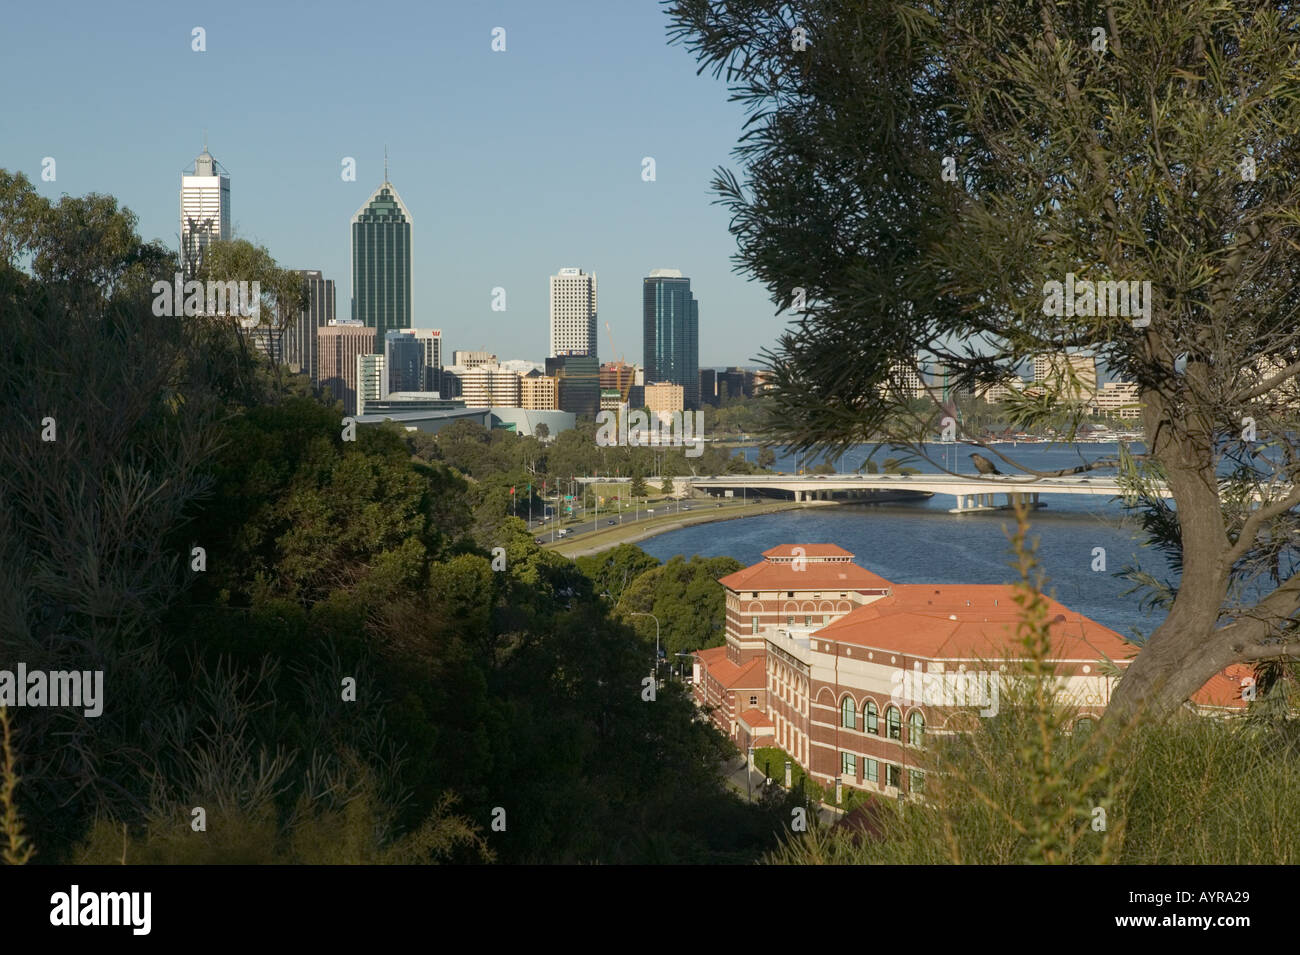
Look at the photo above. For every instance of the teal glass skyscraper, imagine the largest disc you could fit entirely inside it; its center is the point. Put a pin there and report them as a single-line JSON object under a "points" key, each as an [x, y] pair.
{"points": [[671, 333], [381, 263]]}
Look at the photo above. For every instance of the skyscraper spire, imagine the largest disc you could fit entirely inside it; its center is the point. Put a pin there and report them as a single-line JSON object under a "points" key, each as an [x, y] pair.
{"points": [[385, 162]]}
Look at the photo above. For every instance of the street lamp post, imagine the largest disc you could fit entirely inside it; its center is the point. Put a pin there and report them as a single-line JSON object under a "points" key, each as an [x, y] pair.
{"points": [[638, 613]]}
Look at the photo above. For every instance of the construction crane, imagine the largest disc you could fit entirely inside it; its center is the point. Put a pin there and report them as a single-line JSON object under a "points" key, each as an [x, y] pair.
{"points": [[618, 375], [611, 343]]}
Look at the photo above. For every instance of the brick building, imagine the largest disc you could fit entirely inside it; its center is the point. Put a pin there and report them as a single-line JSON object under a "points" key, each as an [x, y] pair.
{"points": [[848, 672]]}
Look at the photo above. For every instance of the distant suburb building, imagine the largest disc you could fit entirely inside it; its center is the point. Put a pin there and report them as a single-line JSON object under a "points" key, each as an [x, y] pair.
{"points": [[820, 655]]}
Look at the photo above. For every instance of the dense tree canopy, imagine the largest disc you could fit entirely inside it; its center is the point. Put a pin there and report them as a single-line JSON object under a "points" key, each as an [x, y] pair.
{"points": [[307, 636]]}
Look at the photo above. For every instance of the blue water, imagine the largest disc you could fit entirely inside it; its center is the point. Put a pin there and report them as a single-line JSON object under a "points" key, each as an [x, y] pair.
{"points": [[920, 542]]}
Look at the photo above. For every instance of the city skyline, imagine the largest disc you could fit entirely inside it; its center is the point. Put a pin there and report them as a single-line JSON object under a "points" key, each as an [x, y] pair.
{"points": [[529, 197]]}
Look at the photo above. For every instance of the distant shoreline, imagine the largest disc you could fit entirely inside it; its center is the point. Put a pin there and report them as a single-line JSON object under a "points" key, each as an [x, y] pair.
{"points": [[642, 530]]}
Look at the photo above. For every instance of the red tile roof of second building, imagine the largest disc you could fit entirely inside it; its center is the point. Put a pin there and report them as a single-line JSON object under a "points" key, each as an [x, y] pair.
{"points": [[968, 622], [755, 718]]}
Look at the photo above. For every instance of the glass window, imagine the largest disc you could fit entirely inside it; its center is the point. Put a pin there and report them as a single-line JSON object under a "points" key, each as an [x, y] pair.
{"points": [[807, 620], [894, 776], [915, 780], [873, 723], [848, 718], [849, 765], [1083, 725], [916, 729], [753, 701], [894, 723], [872, 771], [789, 621], [753, 624]]}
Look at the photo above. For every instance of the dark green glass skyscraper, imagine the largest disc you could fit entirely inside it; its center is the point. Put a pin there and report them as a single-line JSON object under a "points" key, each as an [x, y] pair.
{"points": [[381, 263], [671, 326]]}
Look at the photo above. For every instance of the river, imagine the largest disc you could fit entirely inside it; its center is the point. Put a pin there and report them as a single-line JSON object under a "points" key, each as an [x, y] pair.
{"points": [[920, 542]]}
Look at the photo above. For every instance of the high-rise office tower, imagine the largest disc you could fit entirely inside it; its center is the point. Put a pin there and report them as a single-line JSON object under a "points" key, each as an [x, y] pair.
{"points": [[403, 364], [205, 210], [339, 346], [573, 313], [431, 341], [671, 324], [381, 263], [302, 348], [577, 383]]}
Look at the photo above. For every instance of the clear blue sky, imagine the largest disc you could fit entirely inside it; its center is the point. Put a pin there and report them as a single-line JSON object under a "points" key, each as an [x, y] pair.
{"points": [[513, 164]]}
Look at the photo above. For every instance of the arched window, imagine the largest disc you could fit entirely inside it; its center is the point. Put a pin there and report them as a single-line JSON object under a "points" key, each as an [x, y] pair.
{"points": [[916, 728], [894, 722], [848, 718], [869, 710]]}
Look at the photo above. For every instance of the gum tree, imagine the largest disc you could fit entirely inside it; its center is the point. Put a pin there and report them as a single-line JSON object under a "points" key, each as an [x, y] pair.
{"points": [[914, 177]]}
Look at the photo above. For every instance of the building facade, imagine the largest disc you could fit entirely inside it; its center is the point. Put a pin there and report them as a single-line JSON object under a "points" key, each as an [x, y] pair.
{"points": [[617, 376], [573, 313], [472, 359], [537, 392], [371, 376], [339, 345], [431, 340], [205, 210], [302, 350], [577, 383], [671, 332], [404, 368], [1119, 398], [1072, 374], [709, 386], [663, 398], [850, 673], [487, 385], [381, 264]]}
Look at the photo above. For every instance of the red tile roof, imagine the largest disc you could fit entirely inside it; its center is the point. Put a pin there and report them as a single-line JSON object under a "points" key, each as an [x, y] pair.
{"points": [[1224, 688], [967, 622], [810, 551], [755, 719], [815, 575], [749, 676]]}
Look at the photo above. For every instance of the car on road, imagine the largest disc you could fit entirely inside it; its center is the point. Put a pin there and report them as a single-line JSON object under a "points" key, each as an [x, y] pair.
{"points": [[562, 532], [717, 505], [539, 540], [611, 521], [686, 508]]}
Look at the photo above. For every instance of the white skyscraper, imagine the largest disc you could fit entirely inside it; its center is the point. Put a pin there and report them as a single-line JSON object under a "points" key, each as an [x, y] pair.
{"points": [[205, 210], [573, 313]]}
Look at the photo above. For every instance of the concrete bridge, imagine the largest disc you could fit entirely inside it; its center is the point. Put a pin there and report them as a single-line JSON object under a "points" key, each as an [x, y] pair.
{"points": [[975, 493]]}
